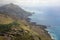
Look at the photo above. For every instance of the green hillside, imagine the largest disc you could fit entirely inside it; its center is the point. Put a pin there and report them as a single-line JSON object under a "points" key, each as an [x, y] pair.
{"points": [[15, 30], [11, 29]]}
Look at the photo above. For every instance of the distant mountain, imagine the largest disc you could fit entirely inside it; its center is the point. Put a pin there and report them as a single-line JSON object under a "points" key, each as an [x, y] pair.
{"points": [[14, 10]]}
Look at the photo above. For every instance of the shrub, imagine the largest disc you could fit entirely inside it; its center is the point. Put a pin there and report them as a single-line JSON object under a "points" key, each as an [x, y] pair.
{"points": [[7, 27]]}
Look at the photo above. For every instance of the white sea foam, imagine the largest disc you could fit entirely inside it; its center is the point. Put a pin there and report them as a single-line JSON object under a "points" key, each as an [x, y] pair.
{"points": [[53, 36]]}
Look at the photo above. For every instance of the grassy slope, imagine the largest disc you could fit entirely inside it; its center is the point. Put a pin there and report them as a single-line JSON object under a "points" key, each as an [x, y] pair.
{"points": [[24, 25], [6, 20], [39, 31]]}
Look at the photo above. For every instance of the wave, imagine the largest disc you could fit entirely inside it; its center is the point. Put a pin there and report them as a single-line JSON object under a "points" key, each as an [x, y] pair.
{"points": [[53, 36]]}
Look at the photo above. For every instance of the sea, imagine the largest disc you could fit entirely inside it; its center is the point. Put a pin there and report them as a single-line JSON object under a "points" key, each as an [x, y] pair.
{"points": [[49, 16]]}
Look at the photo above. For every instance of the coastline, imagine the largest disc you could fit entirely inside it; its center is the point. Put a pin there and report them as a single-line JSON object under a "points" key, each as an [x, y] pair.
{"points": [[52, 35], [44, 28], [49, 34]]}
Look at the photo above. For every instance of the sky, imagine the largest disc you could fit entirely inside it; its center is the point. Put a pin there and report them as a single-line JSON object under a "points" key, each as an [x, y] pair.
{"points": [[33, 2]]}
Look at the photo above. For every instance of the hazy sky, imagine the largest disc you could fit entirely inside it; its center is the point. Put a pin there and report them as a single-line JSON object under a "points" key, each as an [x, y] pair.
{"points": [[33, 2]]}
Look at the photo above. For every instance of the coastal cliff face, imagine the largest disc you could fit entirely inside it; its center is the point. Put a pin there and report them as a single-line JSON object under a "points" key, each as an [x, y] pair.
{"points": [[14, 26]]}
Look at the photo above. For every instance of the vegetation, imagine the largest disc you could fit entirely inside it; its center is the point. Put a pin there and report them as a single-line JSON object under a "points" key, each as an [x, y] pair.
{"points": [[17, 34], [15, 26], [7, 27], [4, 28]]}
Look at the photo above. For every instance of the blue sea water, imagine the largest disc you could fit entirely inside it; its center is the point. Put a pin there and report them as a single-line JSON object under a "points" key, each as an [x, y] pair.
{"points": [[55, 32], [49, 16]]}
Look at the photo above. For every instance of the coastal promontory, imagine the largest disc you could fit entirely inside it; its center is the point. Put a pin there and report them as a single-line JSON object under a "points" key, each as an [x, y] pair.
{"points": [[15, 25]]}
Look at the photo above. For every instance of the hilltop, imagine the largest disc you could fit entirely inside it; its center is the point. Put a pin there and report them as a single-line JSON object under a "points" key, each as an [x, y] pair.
{"points": [[14, 11]]}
